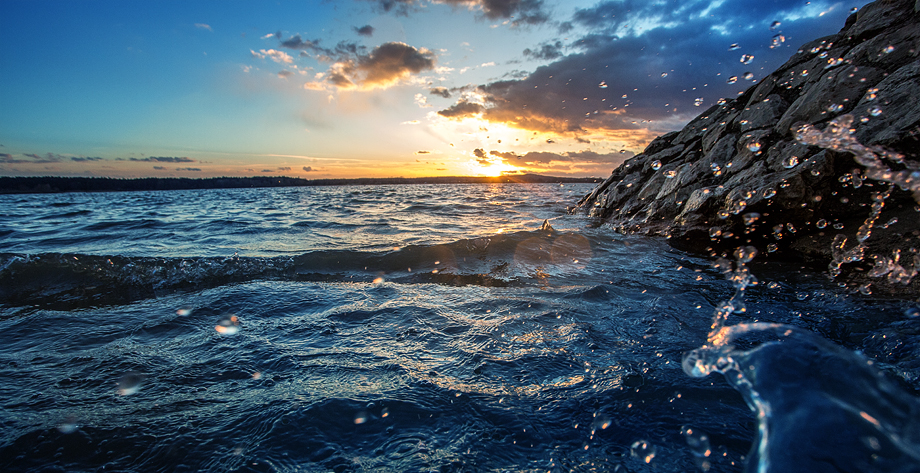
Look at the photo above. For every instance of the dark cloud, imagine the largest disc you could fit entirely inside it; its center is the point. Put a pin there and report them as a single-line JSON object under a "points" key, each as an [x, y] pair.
{"points": [[308, 169], [542, 159], [442, 91], [163, 159], [546, 51], [618, 77], [160, 168], [285, 168], [422, 152], [521, 12], [84, 159], [479, 153], [268, 170], [384, 66], [285, 74], [296, 42], [366, 30], [48, 158], [188, 169], [461, 109]]}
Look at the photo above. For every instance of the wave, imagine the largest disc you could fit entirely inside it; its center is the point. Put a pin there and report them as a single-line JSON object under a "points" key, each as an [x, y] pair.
{"points": [[67, 281]]}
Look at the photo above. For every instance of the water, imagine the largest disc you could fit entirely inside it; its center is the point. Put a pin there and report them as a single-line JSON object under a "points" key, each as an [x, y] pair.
{"points": [[423, 328]]}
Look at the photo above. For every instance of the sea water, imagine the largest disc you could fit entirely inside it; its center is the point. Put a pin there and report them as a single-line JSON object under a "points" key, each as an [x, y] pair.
{"points": [[423, 328]]}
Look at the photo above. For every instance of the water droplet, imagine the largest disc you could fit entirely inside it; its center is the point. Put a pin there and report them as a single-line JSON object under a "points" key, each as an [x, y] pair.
{"points": [[732, 80], [643, 450], [602, 85], [655, 165], [748, 76], [670, 174], [698, 101], [228, 325], [769, 193], [871, 94], [854, 10], [129, 384], [834, 108], [747, 58], [664, 74], [838, 226], [715, 232], [865, 289], [776, 41], [184, 311], [888, 49], [912, 312], [771, 248], [774, 25], [791, 162], [379, 280], [734, 46], [360, 417], [754, 146], [69, 425], [737, 207], [875, 111], [745, 254], [821, 223], [716, 169], [723, 214], [750, 218]]}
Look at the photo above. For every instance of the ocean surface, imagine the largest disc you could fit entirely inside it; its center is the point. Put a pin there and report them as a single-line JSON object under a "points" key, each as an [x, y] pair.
{"points": [[426, 328]]}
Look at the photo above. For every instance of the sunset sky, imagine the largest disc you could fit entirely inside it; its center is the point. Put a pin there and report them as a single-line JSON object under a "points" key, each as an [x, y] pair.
{"points": [[373, 88]]}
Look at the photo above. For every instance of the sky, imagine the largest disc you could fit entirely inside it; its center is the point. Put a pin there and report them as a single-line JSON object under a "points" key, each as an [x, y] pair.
{"points": [[374, 88]]}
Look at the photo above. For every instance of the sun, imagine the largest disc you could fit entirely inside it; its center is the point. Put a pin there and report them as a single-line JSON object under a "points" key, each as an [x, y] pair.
{"points": [[490, 168]]}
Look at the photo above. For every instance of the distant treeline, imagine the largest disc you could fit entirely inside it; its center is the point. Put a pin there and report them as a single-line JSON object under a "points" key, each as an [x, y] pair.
{"points": [[36, 185]]}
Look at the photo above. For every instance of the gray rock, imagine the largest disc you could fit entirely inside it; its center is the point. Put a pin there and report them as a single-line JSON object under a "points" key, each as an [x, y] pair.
{"points": [[804, 195]]}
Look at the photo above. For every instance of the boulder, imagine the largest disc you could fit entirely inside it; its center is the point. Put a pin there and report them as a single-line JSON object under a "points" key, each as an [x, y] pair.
{"points": [[741, 173]]}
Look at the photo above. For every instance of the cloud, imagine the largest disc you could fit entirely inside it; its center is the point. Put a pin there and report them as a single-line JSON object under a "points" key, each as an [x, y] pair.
{"points": [[285, 74], [295, 42], [163, 159], [640, 66], [285, 168], [385, 66], [546, 51], [268, 170], [422, 101], [49, 158], [188, 169], [308, 169], [276, 35], [442, 91], [462, 108], [422, 152], [84, 158], [479, 153], [160, 168], [280, 57], [520, 12], [204, 26], [366, 30]]}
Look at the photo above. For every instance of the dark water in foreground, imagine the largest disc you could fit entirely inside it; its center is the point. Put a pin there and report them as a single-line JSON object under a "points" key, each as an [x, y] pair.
{"points": [[422, 328]]}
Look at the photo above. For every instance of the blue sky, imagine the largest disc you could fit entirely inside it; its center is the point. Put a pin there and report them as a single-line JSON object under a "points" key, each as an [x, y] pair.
{"points": [[367, 88]]}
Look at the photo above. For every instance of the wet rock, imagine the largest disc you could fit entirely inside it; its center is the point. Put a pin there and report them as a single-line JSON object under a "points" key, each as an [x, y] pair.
{"points": [[696, 185]]}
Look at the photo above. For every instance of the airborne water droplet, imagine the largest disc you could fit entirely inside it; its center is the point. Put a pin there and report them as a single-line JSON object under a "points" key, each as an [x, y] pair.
{"points": [[716, 169], [747, 58], [834, 108], [854, 10], [129, 384], [871, 94], [750, 218], [670, 174], [643, 450], [791, 162], [698, 101], [655, 165], [821, 223], [732, 80], [602, 85], [748, 75], [754, 146], [734, 46], [875, 111], [228, 325], [664, 74], [888, 49], [769, 192], [774, 25]]}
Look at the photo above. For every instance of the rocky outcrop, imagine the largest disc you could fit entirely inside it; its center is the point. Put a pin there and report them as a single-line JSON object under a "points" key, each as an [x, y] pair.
{"points": [[740, 174]]}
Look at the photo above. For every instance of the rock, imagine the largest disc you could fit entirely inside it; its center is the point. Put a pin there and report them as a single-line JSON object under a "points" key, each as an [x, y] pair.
{"points": [[742, 158]]}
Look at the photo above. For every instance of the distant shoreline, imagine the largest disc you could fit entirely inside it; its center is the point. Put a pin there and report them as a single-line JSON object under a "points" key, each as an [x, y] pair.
{"points": [[55, 185]]}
